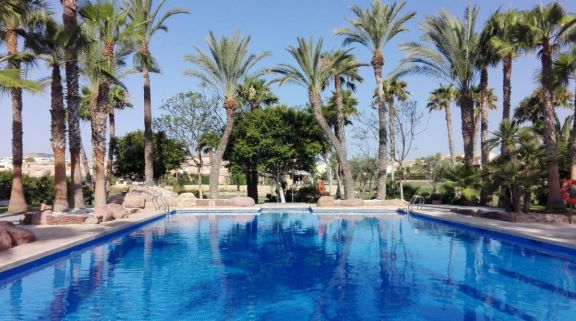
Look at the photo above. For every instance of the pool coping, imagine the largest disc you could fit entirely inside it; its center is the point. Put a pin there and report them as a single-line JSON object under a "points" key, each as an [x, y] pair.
{"points": [[68, 237]]}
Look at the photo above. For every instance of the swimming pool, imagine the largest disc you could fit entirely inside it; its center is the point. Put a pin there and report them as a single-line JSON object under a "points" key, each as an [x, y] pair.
{"points": [[297, 266]]}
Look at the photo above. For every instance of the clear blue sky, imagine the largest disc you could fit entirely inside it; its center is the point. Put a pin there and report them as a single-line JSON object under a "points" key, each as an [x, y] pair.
{"points": [[274, 25]]}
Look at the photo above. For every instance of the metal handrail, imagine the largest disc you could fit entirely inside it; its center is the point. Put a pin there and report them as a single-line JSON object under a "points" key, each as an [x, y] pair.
{"points": [[416, 202]]}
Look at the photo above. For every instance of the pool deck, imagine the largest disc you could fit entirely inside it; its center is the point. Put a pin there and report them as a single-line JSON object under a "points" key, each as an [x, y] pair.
{"points": [[55, 238], [52, 239]]}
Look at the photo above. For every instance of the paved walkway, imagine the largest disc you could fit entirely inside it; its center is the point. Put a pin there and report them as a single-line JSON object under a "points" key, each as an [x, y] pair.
{"points": [[51, 239]]}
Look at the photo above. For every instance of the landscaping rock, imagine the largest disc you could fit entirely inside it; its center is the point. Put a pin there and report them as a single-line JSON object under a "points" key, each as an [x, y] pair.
{"points": [[116, 199], [103, 213], [172, 201], [118, 212], [242, 201], [92, 220], [5, 240], [136, 200], [20, 235], [66, 219], [356, 202], [204, 203], [186, 200], [133, 210], [325, 201]]}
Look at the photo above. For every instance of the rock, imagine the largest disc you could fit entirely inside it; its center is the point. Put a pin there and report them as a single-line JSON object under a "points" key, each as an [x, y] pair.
{"points": [[242, 201], [118, 212], [355, 202], [222, 202], [325, 201], [36, 218], [20, 235], [6, 223], [66, 219], [186, 200], [103, 213], [204, 203], [92, 220], [116, 199], [5, 239], [44, 207], [465, 211], [149, 205], [133, 210], [134, 199], [172, 201]]}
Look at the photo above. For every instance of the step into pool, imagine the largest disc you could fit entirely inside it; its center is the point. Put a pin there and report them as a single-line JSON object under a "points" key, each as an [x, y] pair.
{"points": [[297, 266]]}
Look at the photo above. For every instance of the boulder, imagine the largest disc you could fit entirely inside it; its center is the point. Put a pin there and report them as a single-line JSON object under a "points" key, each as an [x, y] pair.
{"points": [[116, 199], [355, 202], [172, 201], [118, 212], [20, 235], [326, 201], [186, 200], [5, 239], [134, 200], [242, 201], [133, 210], [103, 213], [92, 220], [6, 223]]}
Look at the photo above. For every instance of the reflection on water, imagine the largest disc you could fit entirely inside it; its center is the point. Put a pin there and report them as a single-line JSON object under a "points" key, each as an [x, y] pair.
{"points": [[297, 267]]}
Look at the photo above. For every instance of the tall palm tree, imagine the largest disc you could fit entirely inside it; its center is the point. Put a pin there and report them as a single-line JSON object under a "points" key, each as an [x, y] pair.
{"points": [[548, 28], [224, 67], [147, 21], [69, 17], [373, 28], [394, 89], [106, 24], [565, 70], [440, 99], [15, 16], [313, 73], [254, 92], [484, 99], [449, 50], [49, 44], [119, 100]]}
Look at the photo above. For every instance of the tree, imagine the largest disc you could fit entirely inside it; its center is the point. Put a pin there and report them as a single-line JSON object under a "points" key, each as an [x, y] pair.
{"points": [[313, 73], [484, 99], [394, 89], [119, 100], [407, 124], [169, 155], [373, 28], [440, 99], [449, 50], [16, 16], [146, 21], [565, 70], [227, 63], [548, 28], [255, 93], [189, 117], [264, 138]]}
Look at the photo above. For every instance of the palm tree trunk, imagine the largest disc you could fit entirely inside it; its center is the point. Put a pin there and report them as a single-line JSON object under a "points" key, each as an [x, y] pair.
{"points": [[17, 201], [98, 121], [450, 137], [392, 116], [573, 143], [199, 176], [148, 149], [316, 103], [219, 153], [87, 169], [340, 119], [72, 100], [468, 127], [377, 63], [59, 141], [506, 91], [554, 200], [112, 139], [279, 188], [484, 150]]}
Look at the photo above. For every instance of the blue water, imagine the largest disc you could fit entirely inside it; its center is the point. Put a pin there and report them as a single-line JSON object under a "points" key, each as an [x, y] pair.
{"points": [[297, 267]]}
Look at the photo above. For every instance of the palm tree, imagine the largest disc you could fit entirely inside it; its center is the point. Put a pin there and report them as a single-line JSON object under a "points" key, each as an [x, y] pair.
{"points": [[254, 92], [69, 10], [440, 99], [15, 16], [147, 21], [548, 28], [394, 89], [484, 99], [450, 51], [373, 28], [565, 70], [10, 78], [107, 26], [49, 45], [227, 63], [119, 100], [313, 73]]}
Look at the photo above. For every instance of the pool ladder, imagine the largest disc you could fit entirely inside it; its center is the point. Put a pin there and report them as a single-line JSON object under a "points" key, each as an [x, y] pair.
{"points": [[160, 203], [416, 203]]}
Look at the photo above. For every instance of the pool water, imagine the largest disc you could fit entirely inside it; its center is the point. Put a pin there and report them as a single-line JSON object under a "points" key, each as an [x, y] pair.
{"points": [[297, 266]]}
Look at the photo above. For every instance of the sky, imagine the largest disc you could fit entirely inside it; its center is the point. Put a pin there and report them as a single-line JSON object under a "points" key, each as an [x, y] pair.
{"points": [[275, 25]]}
